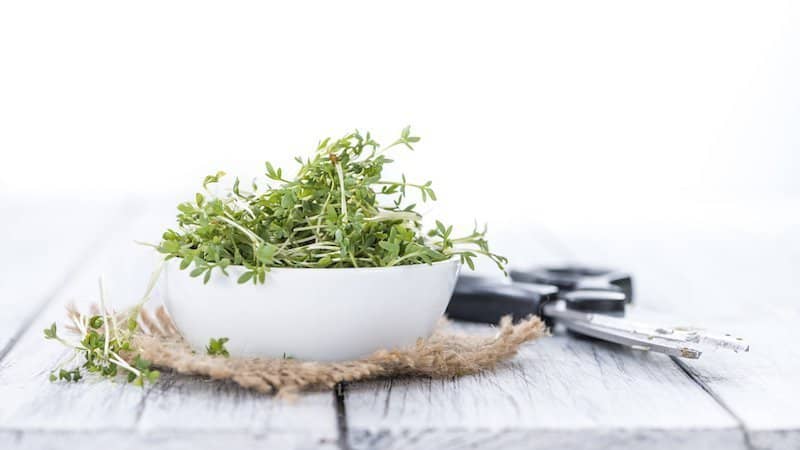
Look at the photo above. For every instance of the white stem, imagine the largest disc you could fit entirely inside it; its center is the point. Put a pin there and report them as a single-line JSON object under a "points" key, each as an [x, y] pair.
{"points": [[344, 197], [309, 227], [121, 362], [395, 215], [254, 237], [104, 315], [321, 215]]}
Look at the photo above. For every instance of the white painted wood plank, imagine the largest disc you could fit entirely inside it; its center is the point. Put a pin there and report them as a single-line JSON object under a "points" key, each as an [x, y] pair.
{"points": [[743, 281], [560, 391], [178, 413], [42, 243], [30, 401], [126, 440], [180, 406]]}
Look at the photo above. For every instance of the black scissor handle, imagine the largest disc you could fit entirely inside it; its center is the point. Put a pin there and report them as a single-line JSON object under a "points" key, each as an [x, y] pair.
{"points": [[486, 300], [587, 289], [578, 278], [603, 301]]}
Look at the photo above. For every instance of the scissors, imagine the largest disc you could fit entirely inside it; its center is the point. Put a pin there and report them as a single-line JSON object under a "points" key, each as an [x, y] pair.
{"points": [[589, 301]]}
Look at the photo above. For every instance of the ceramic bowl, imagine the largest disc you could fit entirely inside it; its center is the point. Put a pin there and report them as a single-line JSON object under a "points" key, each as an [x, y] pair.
{"points": [[311, 314]]}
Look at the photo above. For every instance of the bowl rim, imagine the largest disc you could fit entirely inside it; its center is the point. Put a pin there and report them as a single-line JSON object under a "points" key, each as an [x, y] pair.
{"points": [[452, 260]]}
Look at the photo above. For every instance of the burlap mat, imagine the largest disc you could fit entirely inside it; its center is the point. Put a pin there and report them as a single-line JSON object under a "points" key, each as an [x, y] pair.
{"points": [[445, 354]]}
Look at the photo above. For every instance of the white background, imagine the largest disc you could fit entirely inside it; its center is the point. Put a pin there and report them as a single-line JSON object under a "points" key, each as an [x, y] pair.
{"points": [[590, 112]]}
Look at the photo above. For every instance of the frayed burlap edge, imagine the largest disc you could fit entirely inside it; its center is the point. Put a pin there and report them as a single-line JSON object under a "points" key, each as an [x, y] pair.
{"points": [[444, 354]]}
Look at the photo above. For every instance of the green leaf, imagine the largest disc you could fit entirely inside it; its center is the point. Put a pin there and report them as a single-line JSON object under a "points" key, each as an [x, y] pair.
{"points": [[186, 208], [170, 247], [212, 178], [265, 253], [141, 363], [216, 347], [96, 322], [245, 277], [50, 333], [236, 186]]}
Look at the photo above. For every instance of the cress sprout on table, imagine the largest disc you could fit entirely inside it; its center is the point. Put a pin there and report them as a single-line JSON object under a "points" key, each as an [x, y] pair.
{"points": [[102, 343]]}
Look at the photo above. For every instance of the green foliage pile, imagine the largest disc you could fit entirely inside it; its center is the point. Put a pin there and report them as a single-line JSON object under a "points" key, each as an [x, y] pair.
{"points": [[336, 211]]}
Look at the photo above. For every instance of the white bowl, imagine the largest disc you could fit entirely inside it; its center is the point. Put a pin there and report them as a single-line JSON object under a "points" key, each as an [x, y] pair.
{"points": [[311, 314]]}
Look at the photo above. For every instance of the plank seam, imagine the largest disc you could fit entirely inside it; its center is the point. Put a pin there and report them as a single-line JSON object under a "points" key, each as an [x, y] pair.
{"points": [[388, 399], [140, 407], [717, 399], [343, 441], [75, 268]]}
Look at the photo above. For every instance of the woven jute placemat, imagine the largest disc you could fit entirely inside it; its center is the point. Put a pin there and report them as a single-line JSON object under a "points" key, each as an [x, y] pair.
{"points": [[446, 353]]}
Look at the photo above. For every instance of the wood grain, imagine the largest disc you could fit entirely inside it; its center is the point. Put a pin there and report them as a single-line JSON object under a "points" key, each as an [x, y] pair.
{"points": [[33, 405], [558, 391], [740, 280], [44, 243], [176, 413], [179, 406], [562, 391]]}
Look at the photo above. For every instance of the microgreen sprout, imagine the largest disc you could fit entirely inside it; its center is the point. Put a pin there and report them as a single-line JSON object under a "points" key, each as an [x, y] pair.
{"points": [[104, 342], [336, 211], [216, 347]]}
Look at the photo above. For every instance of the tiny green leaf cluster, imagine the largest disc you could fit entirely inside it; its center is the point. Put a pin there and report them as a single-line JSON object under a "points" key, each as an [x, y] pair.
{"points": [[104, 345], [216, 347], [336, 211], [102, 354]]}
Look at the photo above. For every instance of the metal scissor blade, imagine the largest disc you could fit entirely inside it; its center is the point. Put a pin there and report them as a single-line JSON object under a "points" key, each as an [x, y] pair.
{"points": [[712, 338], [630, 340], [683, 336], [692, 335], [582, 323]]}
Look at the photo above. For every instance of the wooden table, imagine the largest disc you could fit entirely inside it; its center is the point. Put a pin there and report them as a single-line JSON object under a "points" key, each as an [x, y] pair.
{"points": [[560, 391]]}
